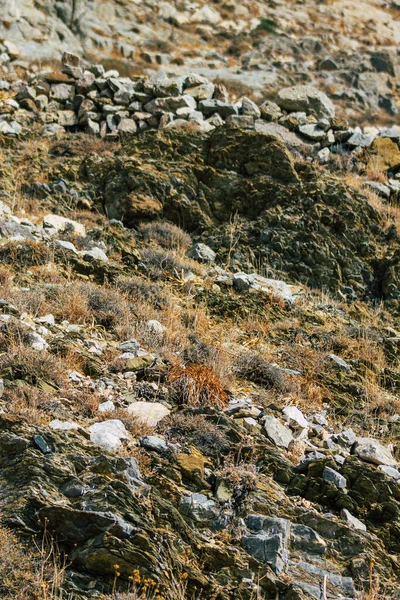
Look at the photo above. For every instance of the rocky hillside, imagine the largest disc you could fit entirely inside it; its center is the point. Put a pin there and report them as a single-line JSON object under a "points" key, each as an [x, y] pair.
{"points": [[199, 306], [345, 47]]}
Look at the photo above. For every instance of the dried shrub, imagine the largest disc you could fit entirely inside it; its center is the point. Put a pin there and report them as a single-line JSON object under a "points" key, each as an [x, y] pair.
{"points": [[197, 351], [18, 569], [29, 574], [166, 264], [32, 367], [253, 367], [196, 430], [140, 290], [31, 403], [88, 303], [196, 385], [166, 235], [22, 255]]}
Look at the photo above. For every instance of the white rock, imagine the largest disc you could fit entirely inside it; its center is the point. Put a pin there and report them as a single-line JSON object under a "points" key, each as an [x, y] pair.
{"points": [[251, 424], [294, 417], [351, 521], [94, 254], [155, 326], [58, 425], [107, 406], [390, 472], [206, 14], [67, 246], [108, 434], [149, 413], [61, 223], [48, 319]]}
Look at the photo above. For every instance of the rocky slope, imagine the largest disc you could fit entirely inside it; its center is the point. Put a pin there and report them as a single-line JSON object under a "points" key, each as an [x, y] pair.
{"points": [[345, 47], [199, 312]]}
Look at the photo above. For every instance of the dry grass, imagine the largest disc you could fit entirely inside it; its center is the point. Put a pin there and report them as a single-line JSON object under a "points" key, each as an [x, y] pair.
{"points": [[168, 264], [90, 304], [33, 367], [254, 367], [390, 213], [196, 385], [27, 574], [196, 430], [166, 235]]}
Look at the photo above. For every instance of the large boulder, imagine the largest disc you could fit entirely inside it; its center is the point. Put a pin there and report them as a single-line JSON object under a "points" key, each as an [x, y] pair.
{"points": [[374, 452], [306, 98]]}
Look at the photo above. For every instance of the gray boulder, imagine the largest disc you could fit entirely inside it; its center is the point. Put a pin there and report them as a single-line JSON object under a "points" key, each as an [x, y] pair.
{"points": [[352, 521], [270, 543], [306, 539], [334, 477], [277, 433], [372, 451], [202, 253], [306, 98], [224, 109], [201, 509], [337, 362]]}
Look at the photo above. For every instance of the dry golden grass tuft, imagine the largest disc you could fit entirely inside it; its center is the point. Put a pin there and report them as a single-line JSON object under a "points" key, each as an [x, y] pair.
{"points": [[197, 385]]}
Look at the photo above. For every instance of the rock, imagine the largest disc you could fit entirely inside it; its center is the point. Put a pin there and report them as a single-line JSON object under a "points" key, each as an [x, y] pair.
{"points": [[360, 140], [63, 224], [155, 327], [200, 509], [345, 438], [250, 108], [79, 525], [203, 91], [251, 424], [380, 189], [66, 246], [295, 417], [337, 362], [94, 254], [58, 425], [270, 111], [351, 521], [243, 282], [127, 126], [334, 477], [152, 442], [306, 539], [211, 106], [240, 121], [373, 452], [312, 131], [131, 345], [323, 156], [278, 433], [271, 544], [108, 434], [306, 98], [107, 406], [149, 413], [202, 253], [71, 65], [310, 457], [206, 14], [390, 472], [62, 92]]}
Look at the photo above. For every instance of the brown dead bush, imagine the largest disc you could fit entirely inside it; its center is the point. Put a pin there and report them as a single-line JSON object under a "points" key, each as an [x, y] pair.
{"points": [[196, 385]]}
